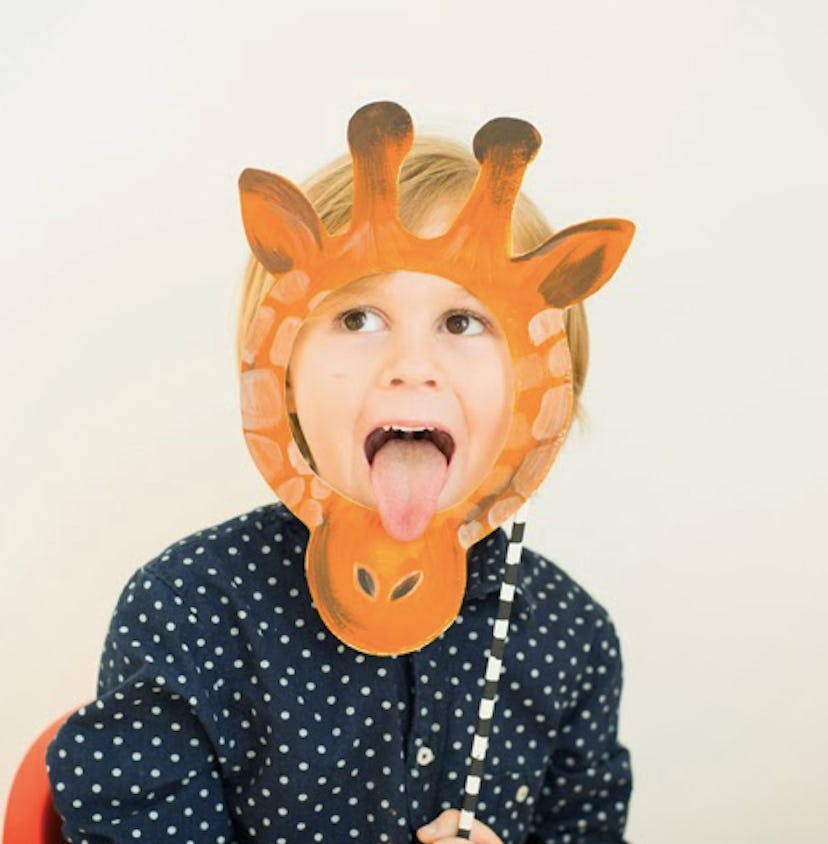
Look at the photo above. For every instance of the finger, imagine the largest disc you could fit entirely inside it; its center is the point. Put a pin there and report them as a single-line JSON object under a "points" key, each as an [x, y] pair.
{"points": [[444, 825], [444, 829], [482, 834]]}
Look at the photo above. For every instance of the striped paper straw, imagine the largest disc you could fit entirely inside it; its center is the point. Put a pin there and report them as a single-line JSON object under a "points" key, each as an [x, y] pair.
{"points": [[480, 744]]}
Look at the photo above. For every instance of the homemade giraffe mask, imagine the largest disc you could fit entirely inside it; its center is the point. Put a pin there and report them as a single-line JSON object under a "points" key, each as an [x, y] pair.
{"points": [[376, 593]]}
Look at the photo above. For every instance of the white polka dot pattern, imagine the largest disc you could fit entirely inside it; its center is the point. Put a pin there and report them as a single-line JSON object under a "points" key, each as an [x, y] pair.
{"points": [[227, 712]]}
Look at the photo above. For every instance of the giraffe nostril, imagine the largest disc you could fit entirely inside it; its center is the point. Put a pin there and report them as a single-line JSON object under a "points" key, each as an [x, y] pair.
{"points": [[407, 585], [365, 581]]}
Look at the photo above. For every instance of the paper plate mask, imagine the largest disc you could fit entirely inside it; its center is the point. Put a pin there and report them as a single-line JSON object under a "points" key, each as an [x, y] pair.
{"points": [[377, 594]]}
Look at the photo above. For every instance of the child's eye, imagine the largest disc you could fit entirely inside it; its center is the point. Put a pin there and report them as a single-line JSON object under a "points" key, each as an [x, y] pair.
{"points": [[360, 320], [464, 323]]}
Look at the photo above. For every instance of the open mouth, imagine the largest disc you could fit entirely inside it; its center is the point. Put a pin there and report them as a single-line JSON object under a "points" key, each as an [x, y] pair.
{"points": [[380, 436]]}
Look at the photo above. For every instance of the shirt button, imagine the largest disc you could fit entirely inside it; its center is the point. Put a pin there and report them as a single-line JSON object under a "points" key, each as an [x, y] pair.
{"points": [[522, 794], [425, 756]]}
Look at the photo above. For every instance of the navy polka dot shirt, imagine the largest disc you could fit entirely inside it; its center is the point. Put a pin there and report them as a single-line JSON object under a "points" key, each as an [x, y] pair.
{"points": [[228, 713]]}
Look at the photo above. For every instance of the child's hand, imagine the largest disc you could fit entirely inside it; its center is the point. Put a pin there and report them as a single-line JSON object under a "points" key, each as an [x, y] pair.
{"points": [[443, 830]]}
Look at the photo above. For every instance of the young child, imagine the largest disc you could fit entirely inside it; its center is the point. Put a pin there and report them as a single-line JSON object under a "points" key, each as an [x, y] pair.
{"points": [[227, 711]]}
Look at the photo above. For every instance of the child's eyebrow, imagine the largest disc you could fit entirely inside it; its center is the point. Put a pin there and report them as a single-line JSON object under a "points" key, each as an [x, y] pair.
{"points": [[352, 294], [464, 299]]}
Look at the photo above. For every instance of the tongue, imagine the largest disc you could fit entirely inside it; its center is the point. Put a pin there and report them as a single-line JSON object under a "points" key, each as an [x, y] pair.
{"points": [[408, 477]]}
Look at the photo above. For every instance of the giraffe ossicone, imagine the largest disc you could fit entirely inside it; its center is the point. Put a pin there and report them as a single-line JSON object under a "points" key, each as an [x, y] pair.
{"points": [[375, 593]]}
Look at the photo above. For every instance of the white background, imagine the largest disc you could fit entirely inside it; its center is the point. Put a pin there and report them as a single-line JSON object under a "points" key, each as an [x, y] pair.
{"points": [[693, 503]]}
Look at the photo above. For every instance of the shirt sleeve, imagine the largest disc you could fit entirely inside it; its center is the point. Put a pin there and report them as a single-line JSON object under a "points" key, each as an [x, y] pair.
{"points": [[587, 789], [138, 764]]}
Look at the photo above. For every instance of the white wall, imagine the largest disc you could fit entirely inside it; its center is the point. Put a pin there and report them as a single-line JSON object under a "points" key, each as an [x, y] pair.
{"points": [[692, 505]]}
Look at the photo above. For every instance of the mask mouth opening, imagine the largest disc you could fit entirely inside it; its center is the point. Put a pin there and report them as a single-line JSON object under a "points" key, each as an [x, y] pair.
{"points": [[443, 440]]}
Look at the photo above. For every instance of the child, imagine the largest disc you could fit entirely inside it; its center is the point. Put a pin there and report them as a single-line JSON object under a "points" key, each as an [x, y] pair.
{"points": [[227, 710]]}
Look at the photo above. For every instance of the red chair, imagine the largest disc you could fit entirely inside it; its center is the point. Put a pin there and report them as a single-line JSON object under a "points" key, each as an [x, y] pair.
{"points": [[31, 817]]}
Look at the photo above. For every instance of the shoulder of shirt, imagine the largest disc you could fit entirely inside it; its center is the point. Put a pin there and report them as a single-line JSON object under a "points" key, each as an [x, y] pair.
{"points": [[557, 595], [230, 547]]}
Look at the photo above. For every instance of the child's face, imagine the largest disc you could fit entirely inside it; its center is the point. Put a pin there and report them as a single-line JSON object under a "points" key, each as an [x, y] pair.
{"points": [[411, 351]]}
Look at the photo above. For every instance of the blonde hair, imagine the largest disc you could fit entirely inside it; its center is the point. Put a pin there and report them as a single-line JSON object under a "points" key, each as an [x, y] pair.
{"points": [[436, 171]]}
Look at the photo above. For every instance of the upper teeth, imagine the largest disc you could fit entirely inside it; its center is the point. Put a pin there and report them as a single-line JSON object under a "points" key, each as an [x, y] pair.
{"points": [[403, 428]]}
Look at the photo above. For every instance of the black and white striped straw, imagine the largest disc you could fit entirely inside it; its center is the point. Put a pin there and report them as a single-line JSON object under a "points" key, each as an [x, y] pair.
{"points": [[480, 744]]}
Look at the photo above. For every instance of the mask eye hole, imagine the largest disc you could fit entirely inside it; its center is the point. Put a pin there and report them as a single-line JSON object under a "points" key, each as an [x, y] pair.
{"points": [[407, 585], [365, 581]]}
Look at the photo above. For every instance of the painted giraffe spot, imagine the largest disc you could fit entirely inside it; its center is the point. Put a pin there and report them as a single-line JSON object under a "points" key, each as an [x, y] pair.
{"points": [[259, 328], [503, 509], [529, 371], [520, 433], [317, 299], [261, 399], [290, 287], [558, 359], [290, 493], [468, 533], [533, 469], [266, 455], [296, 459], [283, 341], [553, 414], [544, 324], [310, 512], [319, 489]]}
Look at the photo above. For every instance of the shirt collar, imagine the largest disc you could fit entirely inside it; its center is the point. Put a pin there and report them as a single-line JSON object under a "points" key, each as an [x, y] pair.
{"points": [[485, 562]]}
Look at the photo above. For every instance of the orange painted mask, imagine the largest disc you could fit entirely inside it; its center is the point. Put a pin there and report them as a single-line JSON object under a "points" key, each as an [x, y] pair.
{"points": [[379, 594]]}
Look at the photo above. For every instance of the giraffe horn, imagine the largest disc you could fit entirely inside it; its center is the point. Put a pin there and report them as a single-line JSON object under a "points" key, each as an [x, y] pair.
{"points": [[380, 135], [504, 147]]}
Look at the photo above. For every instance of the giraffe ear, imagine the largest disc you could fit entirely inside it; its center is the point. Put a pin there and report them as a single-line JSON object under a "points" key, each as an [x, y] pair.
{"points": [[580, 260], [282, 228]]}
